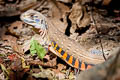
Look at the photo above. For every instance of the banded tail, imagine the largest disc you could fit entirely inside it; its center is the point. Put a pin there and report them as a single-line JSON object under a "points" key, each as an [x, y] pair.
{"points": [[71, 60]]}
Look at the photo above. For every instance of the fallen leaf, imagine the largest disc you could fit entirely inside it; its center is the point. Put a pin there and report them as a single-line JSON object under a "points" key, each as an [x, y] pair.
{"points": [[106, 2], [17, 72], [79, 17], [71, 76], [12, 57], [16, 65], [35, 47], [58, 10], [15, 28], [11, 41], [60, 76], [60, 68], [44, 74], [50, 63]]}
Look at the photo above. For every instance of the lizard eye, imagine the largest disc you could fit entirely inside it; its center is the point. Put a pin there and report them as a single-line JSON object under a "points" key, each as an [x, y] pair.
{"points": [[32, 16]]}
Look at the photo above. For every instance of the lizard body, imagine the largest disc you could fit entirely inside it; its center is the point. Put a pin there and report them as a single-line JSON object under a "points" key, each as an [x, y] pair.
{"points": [[67, 49]]}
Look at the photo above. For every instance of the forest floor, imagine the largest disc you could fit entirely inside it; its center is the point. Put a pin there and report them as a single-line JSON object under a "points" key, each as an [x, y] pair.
{"points": [[97, 29]]}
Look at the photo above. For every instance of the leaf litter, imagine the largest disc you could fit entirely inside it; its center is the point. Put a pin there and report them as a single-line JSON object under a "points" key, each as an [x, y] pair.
{"points": [[16, 41]]}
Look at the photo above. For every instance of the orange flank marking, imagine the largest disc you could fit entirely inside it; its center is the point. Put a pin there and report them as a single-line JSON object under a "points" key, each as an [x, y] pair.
{"points": [[70, 59], [55, 46], [83, 66], [76, 63], [89, 66], [64, 56], [60, 50]]}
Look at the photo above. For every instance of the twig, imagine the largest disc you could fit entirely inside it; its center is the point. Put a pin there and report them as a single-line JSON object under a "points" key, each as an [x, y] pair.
{"points": [[94, 23]]}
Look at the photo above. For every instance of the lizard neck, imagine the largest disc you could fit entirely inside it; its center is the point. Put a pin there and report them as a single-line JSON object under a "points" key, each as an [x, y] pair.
{"points": [[45, 37]]}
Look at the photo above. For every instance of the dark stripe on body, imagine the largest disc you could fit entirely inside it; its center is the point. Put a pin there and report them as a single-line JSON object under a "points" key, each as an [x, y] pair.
{"points": [[68, 57], [73, 61], [79, 64], [85, 65], [62, 52], [57, 48]]}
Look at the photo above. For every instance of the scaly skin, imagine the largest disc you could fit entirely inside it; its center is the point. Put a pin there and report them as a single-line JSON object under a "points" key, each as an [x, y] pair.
{"points": [[67, 49]]}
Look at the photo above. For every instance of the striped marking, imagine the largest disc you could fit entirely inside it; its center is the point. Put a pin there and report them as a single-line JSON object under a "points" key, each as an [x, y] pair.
{"points": [[76, 65], [73, 61], [82, 66], [57, 48], [89, 66], [62, 52], [70, 59], [64, 56]]}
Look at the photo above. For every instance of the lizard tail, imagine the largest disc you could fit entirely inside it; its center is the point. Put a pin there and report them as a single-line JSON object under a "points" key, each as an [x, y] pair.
{"points": [[72, 61]]}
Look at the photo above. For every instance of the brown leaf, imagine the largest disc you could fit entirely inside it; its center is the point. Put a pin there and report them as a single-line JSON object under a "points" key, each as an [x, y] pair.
{"points": [[16, 27], [79, 17], [60, 76], [2, 31], [1, 60], [16, 65], [17, 72], [59, 69], [12, 41], [59, 10], [106, 2], [50, 63]]}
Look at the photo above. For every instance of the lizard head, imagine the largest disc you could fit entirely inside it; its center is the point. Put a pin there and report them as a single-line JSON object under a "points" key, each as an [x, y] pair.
{"points": [[34, 18]]}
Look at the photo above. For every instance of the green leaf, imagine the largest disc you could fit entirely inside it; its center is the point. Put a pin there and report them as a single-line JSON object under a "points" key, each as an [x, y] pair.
{"points": [[35, 47], [32, 47]]}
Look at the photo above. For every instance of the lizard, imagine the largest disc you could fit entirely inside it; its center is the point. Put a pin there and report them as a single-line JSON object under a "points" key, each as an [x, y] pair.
{"points": [[67, 49]]}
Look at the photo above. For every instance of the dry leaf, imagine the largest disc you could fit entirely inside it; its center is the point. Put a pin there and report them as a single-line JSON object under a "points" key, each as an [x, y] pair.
{"points": [[12, 41], [79, 17], [50, 63], [59, 10], [16, 27]]}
